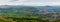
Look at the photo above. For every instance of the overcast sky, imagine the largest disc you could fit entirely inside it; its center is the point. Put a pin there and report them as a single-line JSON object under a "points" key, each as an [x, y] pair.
{"points": [[30, 2]]}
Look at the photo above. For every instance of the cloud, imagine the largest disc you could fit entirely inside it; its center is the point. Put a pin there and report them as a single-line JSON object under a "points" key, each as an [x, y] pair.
{"points": [[30, 2]]}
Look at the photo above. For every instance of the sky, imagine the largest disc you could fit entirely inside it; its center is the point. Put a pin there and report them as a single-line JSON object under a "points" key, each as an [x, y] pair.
{"points": [[30, 2]]}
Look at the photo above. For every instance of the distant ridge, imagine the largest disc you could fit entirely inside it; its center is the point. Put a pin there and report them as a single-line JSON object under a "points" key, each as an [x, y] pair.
{"points": [[18, 6]]}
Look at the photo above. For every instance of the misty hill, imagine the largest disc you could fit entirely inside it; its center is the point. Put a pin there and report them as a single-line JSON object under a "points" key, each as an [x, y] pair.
{"points": [[48, 9]]}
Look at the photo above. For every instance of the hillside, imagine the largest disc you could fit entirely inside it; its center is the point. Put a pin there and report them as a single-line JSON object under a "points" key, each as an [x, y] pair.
{"points": [[42, 12]]}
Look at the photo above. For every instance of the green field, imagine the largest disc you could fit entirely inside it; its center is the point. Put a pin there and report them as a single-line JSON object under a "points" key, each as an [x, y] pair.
{"points": [[29, 14]]}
